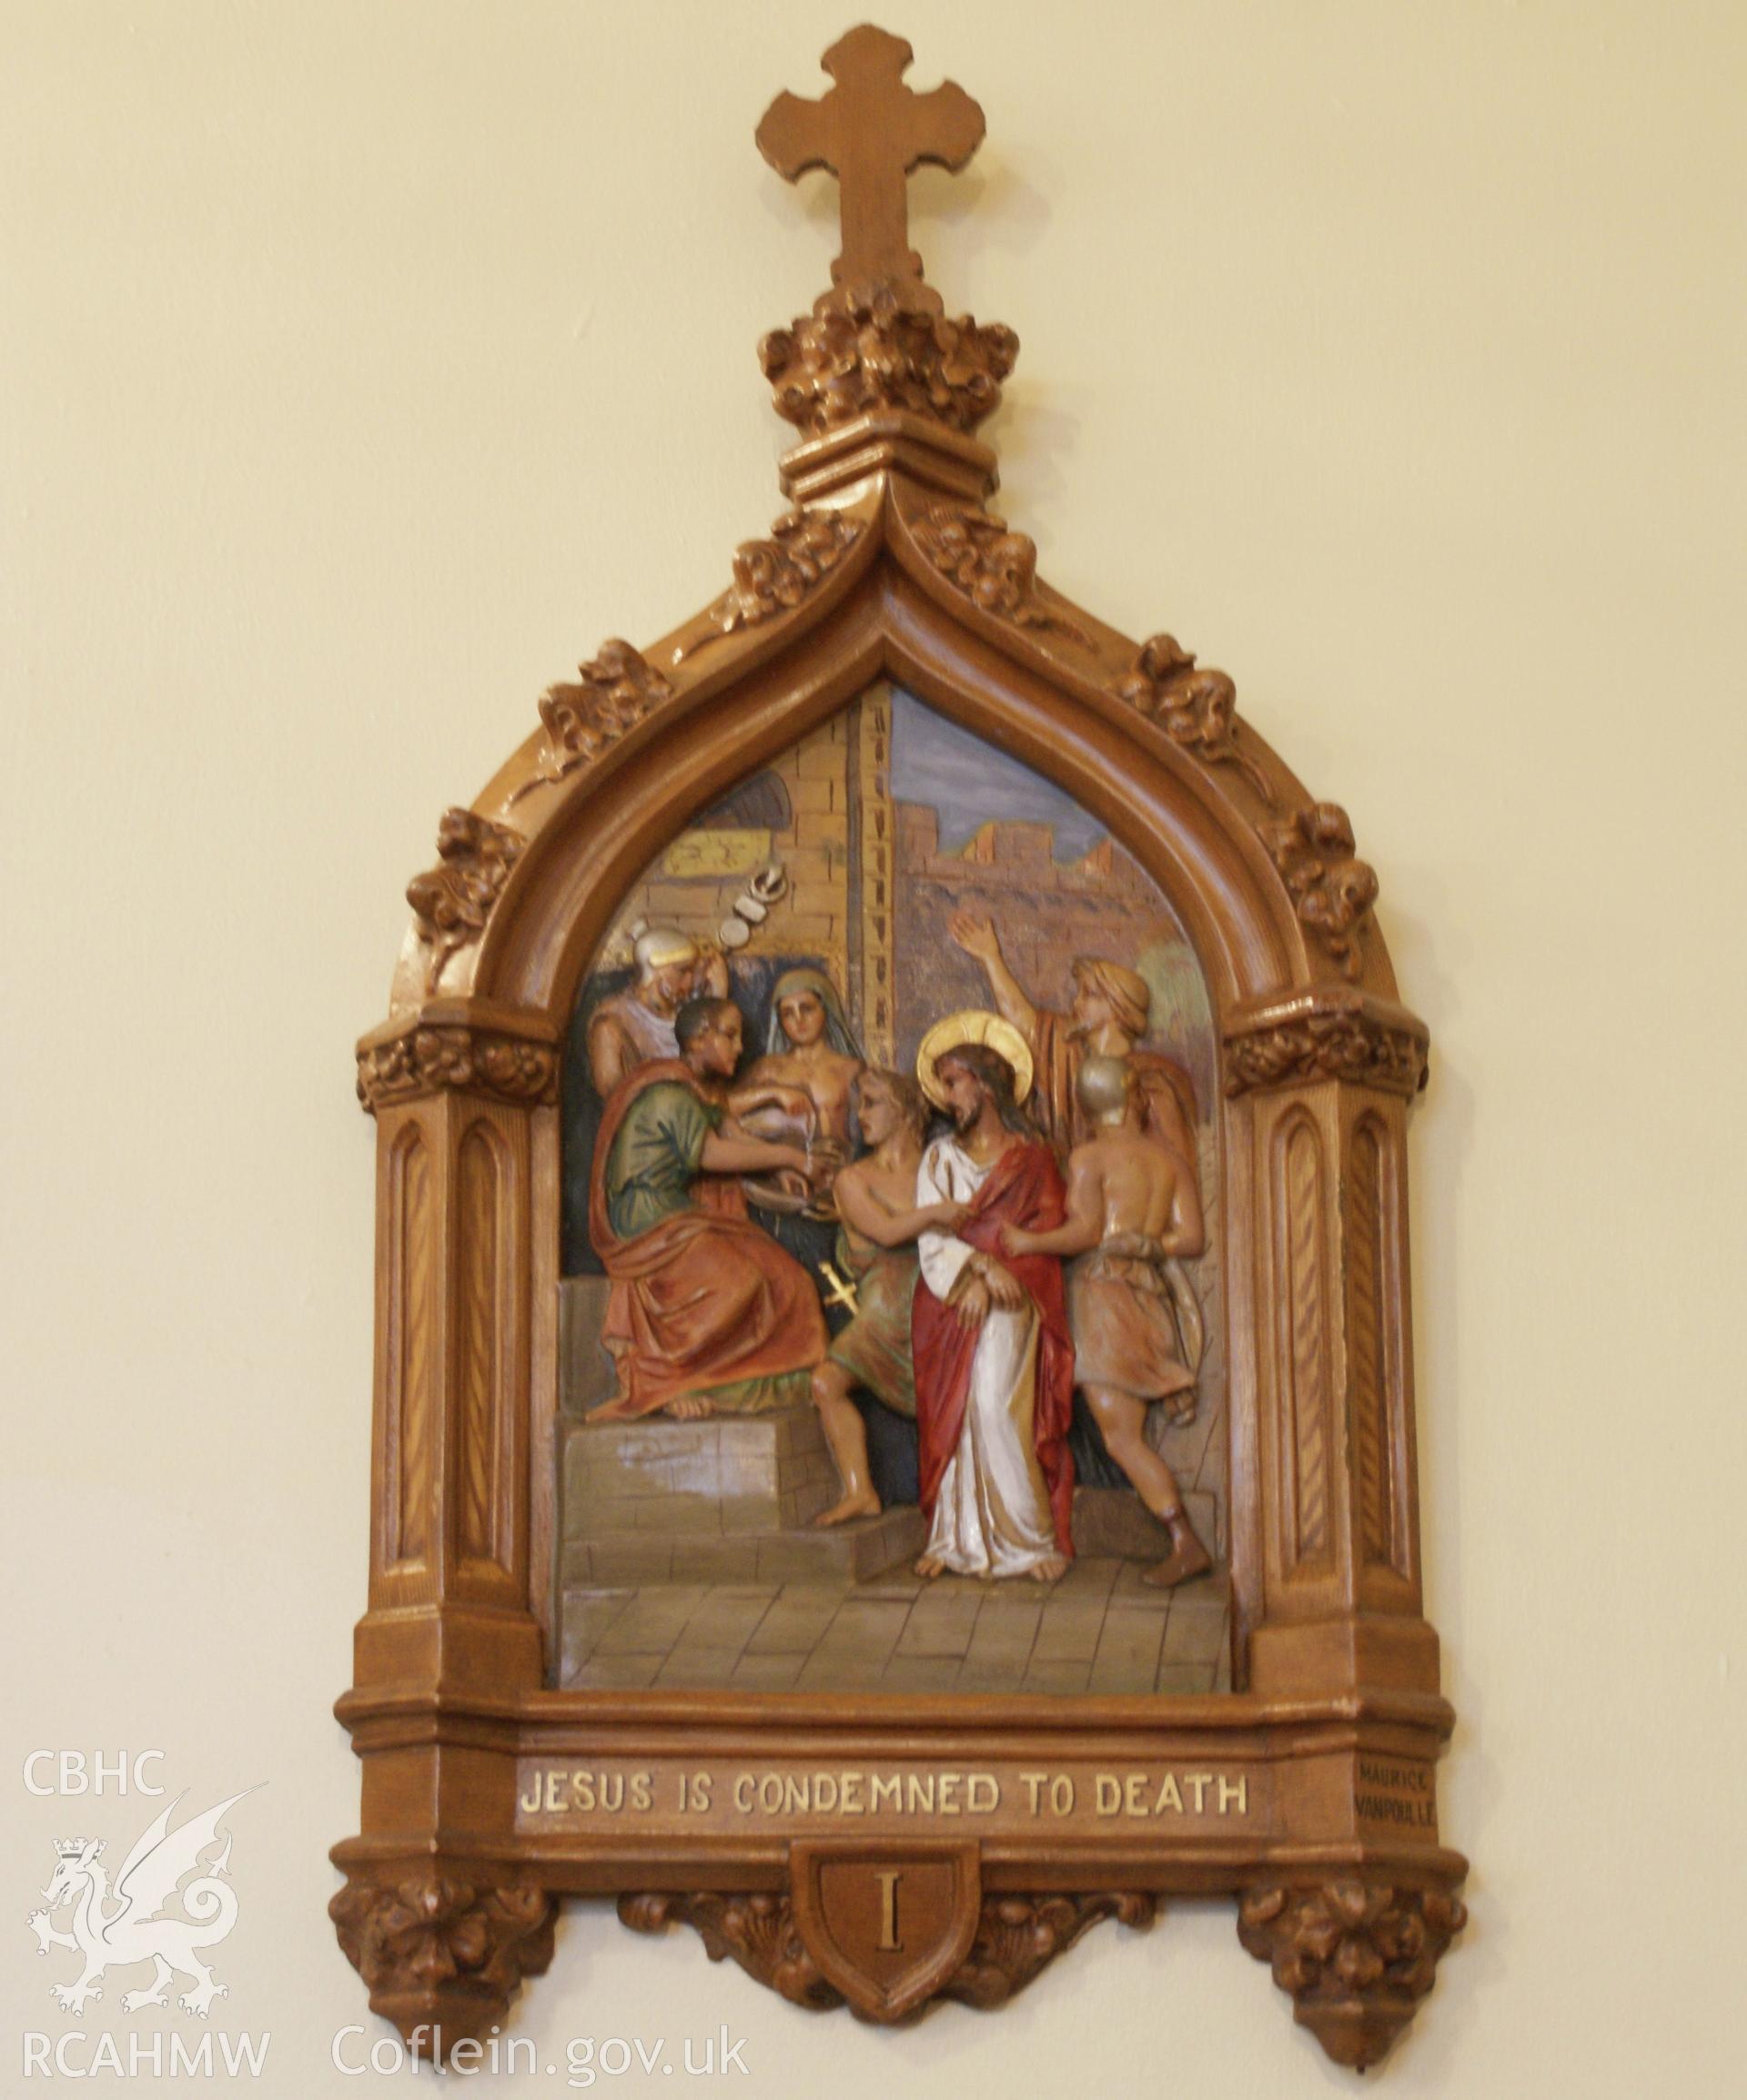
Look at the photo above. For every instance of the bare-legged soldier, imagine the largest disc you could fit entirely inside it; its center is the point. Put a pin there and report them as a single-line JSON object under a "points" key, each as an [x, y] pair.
{"points": [[1130, 1209]]}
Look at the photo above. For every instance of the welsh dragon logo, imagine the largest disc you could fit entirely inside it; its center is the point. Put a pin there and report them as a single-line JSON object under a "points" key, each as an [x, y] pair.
{"points": [[124, 1926]]}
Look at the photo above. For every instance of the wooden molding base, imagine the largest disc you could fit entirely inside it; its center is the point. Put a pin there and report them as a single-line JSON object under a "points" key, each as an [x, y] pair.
{"points": [[1355, 1957]]}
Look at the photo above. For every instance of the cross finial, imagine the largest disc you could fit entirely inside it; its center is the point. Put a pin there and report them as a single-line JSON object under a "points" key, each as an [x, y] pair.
{"points": [[870, 131]]}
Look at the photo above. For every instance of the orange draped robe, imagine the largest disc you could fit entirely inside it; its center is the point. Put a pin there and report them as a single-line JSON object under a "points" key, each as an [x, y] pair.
{"points": [[703, 1300]]}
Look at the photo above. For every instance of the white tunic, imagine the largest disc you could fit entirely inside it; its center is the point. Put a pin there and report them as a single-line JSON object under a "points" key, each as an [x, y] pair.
{"points": [[992, 1515]]}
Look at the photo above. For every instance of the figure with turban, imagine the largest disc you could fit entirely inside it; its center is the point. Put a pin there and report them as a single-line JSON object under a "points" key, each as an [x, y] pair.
{"points": [[635, 1026]]}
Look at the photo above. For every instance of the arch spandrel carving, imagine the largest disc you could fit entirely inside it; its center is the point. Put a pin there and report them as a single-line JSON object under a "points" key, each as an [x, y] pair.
{"points": [[1301, 1775]]}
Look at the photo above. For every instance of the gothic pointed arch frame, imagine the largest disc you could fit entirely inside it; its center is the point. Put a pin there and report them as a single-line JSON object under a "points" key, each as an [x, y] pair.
{"points": [[1306, 1791]]}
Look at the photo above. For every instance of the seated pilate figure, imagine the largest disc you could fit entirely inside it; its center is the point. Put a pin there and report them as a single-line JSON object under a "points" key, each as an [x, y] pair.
{"points": [[705, 1314]]}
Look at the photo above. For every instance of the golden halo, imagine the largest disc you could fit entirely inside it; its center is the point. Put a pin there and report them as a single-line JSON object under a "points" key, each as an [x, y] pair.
{"points": [[974, 1025]]}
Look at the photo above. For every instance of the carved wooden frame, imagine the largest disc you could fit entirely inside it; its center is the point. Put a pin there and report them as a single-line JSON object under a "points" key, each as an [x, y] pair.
{"points": [[888, 563]]}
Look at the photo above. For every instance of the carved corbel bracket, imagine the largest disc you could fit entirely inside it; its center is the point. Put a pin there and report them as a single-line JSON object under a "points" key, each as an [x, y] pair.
{"points": [[1355, 1957], [443, 1956]]}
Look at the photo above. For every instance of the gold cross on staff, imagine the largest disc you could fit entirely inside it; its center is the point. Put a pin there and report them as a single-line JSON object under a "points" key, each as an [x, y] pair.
{"points": [[870, 131], [842, 1291]]}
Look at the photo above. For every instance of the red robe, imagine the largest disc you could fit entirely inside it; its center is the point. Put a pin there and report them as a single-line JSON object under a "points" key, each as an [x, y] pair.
{"points": [[1024, 1188], [704, 1297]]}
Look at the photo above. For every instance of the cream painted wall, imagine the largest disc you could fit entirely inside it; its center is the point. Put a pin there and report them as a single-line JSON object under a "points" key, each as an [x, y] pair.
{"points": [[361, 367]]}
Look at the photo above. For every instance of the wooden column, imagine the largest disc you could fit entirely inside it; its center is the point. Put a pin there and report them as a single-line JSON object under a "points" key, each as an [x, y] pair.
{"points": [[437, 1921], [1339, 1547]]}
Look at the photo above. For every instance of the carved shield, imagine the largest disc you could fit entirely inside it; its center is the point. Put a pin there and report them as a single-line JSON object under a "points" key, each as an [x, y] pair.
{"points": [[888, 1923]]}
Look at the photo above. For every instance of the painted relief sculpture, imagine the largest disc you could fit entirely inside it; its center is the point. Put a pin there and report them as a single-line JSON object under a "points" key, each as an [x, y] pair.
{"points": [[894, 1424], [938, 1350]]}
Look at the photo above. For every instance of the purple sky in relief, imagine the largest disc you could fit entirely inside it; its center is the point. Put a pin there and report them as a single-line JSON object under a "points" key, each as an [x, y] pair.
{"points": [[969, 781]]}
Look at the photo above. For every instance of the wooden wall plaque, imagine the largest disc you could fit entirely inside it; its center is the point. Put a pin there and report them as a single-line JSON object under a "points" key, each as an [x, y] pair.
{"points": [[894, 1431]]}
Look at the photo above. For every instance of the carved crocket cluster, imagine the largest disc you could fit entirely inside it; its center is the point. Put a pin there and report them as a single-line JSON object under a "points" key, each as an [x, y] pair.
{"points": [[863, 349], [613, 693], [1354, 1957], [996, 570], [774, 576], [1195, 708], [424, 1938], [452, 900], [1332, 891]]}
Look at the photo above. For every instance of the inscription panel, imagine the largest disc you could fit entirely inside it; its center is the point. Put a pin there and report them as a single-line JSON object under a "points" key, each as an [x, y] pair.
{"points": [[1000, 1799]]}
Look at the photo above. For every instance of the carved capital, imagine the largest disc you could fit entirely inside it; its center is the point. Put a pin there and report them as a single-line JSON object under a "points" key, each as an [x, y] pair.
{"points": [[863, 349], [994, 568], [443, 1958], [1016, 1937], [1332, 891], [1196, 708], [774, 576], [1356, 1957], [1345, 1042], [614, 692], [452, 900], [473, 1060]]}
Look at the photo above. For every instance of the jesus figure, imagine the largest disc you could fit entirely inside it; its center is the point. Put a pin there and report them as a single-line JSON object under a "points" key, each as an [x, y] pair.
{"points": [[994, 1362]]}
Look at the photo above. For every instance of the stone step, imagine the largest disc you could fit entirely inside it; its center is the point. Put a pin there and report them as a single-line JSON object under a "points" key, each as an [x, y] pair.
{"points": [[722, 1477], [842, 1553], [1114, 1522]]}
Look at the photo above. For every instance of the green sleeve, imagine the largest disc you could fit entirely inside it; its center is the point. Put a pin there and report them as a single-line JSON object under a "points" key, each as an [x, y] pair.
{"points": [[657, 1153]]}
